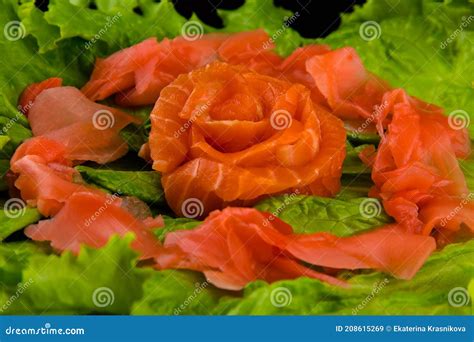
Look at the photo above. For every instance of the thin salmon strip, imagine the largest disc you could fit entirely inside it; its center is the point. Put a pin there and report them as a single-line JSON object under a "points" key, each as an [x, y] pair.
{"points": [[89, 131], [216, 138], [138, 74], [416, 171], [117, 72], [28, 96], [350, 90], [91, 219], [248, 245]]}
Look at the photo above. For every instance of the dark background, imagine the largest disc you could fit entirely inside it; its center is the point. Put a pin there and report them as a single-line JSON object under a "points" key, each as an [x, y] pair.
{"points": [[317, 18]]}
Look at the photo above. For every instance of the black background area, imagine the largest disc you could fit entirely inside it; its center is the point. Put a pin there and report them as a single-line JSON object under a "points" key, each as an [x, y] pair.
{"points": [[317, 18]]}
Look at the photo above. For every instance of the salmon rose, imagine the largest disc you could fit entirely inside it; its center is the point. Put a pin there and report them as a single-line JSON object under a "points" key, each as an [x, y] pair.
{"points": [[223, 135]]}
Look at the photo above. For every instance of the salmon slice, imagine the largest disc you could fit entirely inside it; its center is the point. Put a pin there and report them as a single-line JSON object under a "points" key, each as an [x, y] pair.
{"points": [[28, 96], [248, 245], [89, 131], [349, 89], [89, 218], [139, 73], [80, 214], [117, 72], [416, 171], [215, 138], [293, 69]]}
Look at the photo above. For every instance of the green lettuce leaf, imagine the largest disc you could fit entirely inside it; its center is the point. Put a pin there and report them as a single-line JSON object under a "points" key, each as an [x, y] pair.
{"points": [[174, 224], [14, 220], [145, 185], [4, 167], [406, 37], [427, 293], [467, 166], [102, 280], [353, 164], [310, 214], [177, 293]]}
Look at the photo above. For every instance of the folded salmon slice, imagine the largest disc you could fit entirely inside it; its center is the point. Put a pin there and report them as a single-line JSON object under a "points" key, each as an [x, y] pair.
{"points": [[91, 218], [116, 73], [350, 90], [28, 96], [80, 214], [416, 171], [248, 245], [139, 73], [88, 131]]}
